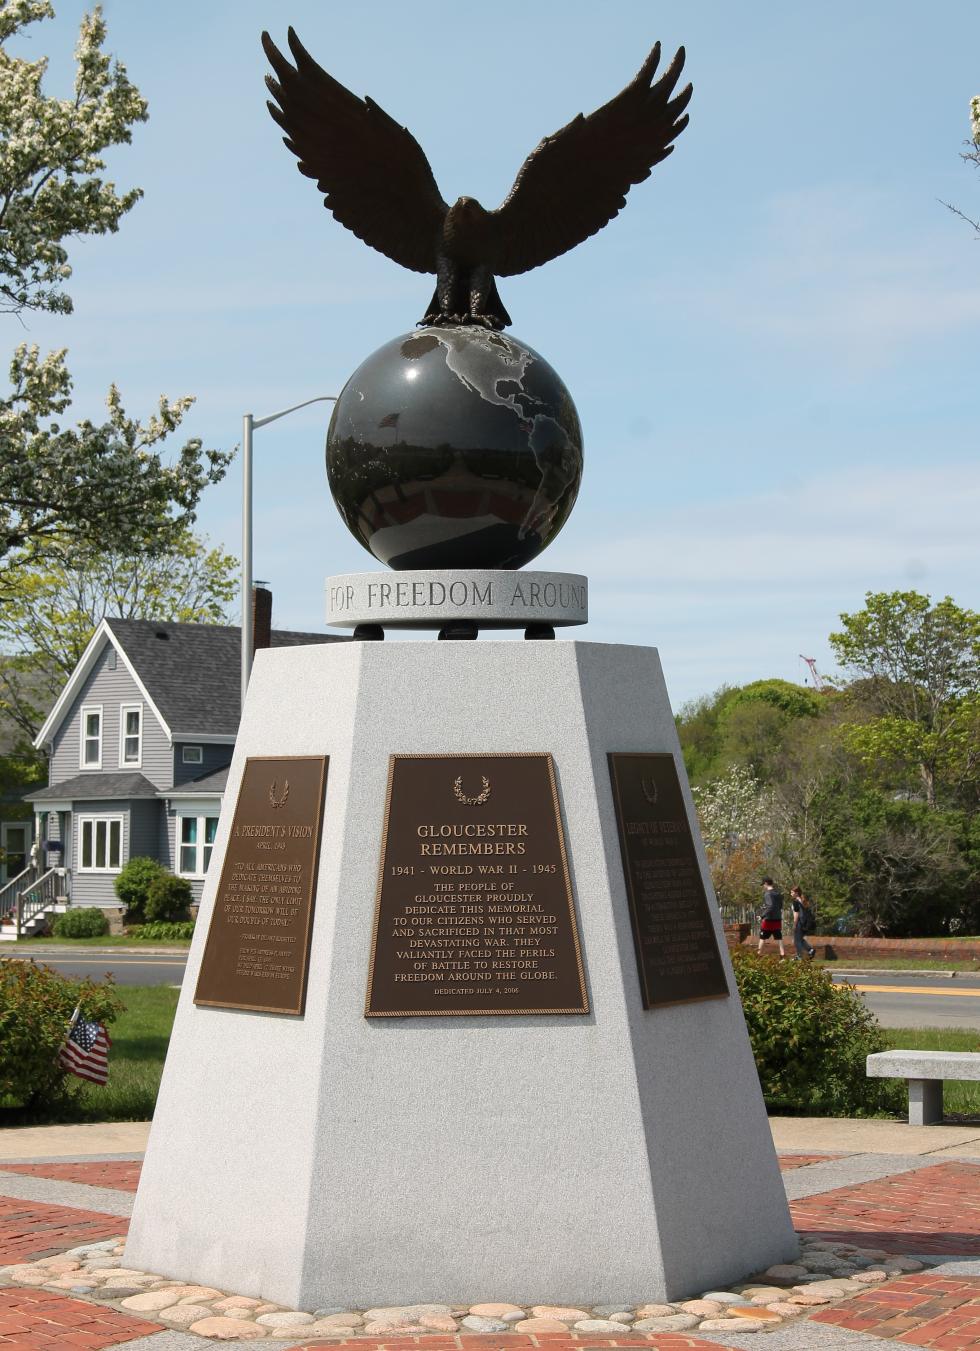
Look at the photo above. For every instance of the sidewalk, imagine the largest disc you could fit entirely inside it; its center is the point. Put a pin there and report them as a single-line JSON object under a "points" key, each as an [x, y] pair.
{"points": [[816, 1135], [907, 1198]]}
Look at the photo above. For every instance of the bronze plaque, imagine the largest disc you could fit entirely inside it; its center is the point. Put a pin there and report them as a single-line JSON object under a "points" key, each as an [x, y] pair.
{"points": [[474, 910], [258, 947], [676, 947]]}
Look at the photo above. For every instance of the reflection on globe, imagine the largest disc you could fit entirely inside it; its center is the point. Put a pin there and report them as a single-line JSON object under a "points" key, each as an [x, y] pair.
{"points": [[454, 448]]}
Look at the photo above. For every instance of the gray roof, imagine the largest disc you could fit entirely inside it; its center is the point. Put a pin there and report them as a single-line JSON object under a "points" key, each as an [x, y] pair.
{"points": [[192, 672], [93, 785], [208, 785]]}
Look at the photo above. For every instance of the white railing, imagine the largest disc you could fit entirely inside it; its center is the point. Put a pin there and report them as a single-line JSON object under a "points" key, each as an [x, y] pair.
{"points": [[40, 895], [11, 890]]}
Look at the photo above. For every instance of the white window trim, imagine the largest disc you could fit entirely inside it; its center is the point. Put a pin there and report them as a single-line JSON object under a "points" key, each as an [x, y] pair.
{"points": [[202, 817], [200, 755], [138, 762], [80, 823], [86, 709]]}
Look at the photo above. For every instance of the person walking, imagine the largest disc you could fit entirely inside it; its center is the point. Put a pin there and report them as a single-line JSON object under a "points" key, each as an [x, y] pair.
{"points": [[771, 919], [803, 923]]}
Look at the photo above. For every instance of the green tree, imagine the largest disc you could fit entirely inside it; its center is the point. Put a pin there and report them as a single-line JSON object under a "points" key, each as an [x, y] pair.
{"points": [[98, 485], [697, 730], [742, 726], [831, 791], [919, 664], [54, 608], [903, 869]]}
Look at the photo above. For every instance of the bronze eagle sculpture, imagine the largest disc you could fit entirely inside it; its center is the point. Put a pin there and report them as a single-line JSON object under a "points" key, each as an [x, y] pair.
{"points": [[377, 181]]}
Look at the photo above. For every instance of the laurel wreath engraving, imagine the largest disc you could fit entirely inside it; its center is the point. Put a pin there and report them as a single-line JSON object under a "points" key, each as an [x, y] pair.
{"points": [[649, 790], [477, 801], [275, 797]]}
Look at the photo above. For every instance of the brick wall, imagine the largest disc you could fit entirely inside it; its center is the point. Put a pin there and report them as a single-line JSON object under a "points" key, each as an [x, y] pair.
{"points": [[851, 948]]}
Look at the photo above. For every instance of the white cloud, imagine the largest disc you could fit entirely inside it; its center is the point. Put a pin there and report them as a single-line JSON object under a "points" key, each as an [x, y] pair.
{"points": [[863, 524], [839, 271], [735, 590]]}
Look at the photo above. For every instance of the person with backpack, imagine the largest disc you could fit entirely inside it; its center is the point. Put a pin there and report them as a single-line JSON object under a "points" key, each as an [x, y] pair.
{"points": [[804, 922], [771, 918]]}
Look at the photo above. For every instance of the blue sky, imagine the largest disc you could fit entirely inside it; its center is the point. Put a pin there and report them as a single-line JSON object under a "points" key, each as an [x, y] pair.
{"points": [[772, 349]]}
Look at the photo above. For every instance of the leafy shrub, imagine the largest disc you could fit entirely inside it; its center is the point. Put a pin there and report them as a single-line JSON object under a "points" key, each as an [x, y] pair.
{"points": [[810, 1039], [133, 884], [168, 899], [161, 929], [85, 922], [36, 1005]]}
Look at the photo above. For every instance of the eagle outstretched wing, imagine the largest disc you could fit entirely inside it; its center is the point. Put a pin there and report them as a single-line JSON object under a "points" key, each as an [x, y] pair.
{"points": [[576, 181], [373, 173]]}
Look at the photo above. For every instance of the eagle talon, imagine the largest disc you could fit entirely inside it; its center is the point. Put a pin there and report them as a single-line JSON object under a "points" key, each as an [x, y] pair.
{"points": [[442, 320], [485, 321]]}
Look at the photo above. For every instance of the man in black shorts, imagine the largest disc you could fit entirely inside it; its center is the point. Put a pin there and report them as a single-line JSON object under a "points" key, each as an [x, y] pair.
{"points": [[771, 919]]}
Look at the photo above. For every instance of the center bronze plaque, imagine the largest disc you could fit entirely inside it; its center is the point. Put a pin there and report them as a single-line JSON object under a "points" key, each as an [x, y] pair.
{"points": [[676, 948], [258, 947], [474, 910]]}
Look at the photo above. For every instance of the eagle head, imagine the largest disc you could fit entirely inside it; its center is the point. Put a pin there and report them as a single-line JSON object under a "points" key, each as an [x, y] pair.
{"points": [[463, 230]]}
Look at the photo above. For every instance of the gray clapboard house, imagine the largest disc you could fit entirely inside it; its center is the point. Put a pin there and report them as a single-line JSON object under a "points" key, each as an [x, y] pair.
{"points": [[139, 743]]}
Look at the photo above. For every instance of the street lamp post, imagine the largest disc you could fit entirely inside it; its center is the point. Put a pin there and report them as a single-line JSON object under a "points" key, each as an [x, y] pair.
{"points": [[249, 424]]}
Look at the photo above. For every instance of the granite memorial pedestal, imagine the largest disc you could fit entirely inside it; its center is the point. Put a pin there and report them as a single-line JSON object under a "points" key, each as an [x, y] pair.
{"points": [[338, 1159]]}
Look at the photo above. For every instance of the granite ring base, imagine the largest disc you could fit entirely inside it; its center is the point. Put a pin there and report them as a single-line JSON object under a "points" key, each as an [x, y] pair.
{"points": [[487, 597]]}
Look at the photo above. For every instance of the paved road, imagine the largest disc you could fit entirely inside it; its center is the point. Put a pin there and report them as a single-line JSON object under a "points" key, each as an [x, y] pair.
{"points": [[922, 999], [138, 968]]}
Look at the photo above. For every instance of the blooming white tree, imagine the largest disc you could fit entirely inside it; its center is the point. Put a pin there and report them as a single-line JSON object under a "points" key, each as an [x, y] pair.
{"points": [[50, 165], [96, 485], [732, 809], [971, 156], [735, 813]]}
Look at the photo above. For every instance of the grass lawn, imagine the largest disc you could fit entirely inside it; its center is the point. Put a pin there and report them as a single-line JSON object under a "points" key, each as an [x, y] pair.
{"points": [[900, 963], [41, 945], [958, 1098], [139, 1045]]}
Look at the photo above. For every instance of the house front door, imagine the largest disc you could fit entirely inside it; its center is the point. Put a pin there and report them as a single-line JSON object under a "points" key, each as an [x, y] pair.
{"points": [[14, 841], [64, 860]]}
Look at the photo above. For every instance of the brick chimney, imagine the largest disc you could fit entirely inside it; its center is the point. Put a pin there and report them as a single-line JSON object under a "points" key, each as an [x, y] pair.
{"points": [[261, 618]]}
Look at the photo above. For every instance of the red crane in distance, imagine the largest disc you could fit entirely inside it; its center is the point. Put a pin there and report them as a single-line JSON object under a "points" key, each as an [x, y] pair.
{"points": [[812, 663]]}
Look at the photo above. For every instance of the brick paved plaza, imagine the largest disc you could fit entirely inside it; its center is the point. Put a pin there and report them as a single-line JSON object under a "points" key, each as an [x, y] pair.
{"points": [[912, 1207]]}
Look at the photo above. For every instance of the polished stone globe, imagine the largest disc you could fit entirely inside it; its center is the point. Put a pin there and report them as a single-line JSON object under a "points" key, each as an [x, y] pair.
{"points": [[454, 448]]}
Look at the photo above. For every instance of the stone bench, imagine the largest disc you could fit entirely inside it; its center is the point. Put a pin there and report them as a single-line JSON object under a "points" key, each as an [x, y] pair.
{"points": [[925, 1072]]}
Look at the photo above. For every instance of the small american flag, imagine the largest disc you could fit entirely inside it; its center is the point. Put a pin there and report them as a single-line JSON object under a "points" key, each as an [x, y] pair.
{"points": [[86, 1051]]}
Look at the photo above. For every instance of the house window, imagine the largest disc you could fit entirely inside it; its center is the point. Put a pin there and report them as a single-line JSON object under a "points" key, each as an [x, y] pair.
{"points": [[192, 755], [91, 756], [195, 843], [131, 735], [100, 848]]}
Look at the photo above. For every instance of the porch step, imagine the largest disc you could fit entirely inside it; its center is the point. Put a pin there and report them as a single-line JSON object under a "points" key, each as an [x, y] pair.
{"points": [[8, 931]]}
